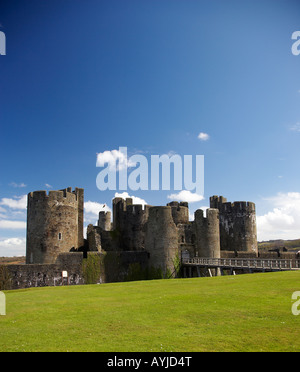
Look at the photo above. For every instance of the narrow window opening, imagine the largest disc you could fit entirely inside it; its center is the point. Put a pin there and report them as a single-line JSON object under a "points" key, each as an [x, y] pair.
{"points": [[59, 236]]}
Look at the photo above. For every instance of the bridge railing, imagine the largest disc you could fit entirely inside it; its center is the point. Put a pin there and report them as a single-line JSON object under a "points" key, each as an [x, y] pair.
{"points": [[254, 263]]}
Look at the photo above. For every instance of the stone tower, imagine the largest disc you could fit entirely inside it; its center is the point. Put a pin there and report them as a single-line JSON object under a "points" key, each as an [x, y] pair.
{"points": [[54, 224], [104, 220], [207, 233], [128, 221], [180, 212], [237, 224], [161, 239]]}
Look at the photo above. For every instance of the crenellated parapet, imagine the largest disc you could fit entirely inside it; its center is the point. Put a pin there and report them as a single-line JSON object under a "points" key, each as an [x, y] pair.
{"points": [[129, 222], [217, 201], [237, 224], [54, 224], [207, 232], [180, 212]]}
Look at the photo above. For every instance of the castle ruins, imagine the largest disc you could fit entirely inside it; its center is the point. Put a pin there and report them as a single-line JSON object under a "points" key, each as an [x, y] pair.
{"points": [[166, 233], [148, 237]]}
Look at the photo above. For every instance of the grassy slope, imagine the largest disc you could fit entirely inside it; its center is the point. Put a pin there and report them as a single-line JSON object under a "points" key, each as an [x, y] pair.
{"points": [[232, 313], [291, 245]]}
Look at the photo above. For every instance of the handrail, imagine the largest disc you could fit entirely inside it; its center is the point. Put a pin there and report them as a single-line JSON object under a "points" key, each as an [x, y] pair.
{"points": [[252, 263]]}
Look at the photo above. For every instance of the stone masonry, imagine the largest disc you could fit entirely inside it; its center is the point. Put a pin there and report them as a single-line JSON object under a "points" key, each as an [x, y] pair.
{"points": [[135, 236]]}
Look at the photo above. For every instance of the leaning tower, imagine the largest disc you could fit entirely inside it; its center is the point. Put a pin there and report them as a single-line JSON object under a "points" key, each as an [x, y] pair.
{"points": [[54, 224]]}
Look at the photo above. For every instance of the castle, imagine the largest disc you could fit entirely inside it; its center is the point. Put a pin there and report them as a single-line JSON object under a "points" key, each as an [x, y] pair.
{"points": [[163, 234], [134, 243]]}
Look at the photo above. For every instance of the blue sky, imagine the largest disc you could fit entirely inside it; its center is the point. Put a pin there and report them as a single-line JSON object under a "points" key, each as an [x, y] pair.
{"points": [[83, 77]]}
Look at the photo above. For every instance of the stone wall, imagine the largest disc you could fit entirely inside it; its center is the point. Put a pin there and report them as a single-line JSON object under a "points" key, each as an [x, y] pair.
{"points": [[237, 224], [129, 223], [108, 266], [43, 275], [54, 224], [180, 212]]}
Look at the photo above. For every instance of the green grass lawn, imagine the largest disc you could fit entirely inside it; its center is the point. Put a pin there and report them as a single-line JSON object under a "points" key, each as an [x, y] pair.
{"points": [[250, 312]]}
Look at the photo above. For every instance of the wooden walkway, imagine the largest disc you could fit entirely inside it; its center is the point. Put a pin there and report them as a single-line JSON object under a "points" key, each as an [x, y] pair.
{"points": [[249, 264]]}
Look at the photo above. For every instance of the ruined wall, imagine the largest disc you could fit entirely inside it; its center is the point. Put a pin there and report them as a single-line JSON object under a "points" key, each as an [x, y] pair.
{"points": [[54, 224], [106, 268], [180, 212], [94, 238], [207, 233], [161, 239], [237, 225], [116, 265], [187, 240], [129, 223], [43, 275], [99, 239], [79, 193]]}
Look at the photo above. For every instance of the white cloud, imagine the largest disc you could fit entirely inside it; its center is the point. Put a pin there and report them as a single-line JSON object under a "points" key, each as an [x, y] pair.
{"points": [[112, 158], [12, 247], [186, 196], [48, 186], [2, 210], [135, 199], [91, 212], [12, 242], [10, 218], [14, 184], [203, 136], [18, 203], [8, 224], [283, 221], [95, 208], [295, 128]]}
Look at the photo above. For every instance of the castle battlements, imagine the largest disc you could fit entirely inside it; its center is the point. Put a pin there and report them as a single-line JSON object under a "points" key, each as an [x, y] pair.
{"points": [[211, 215], [221, 203], [237, 224], [58, 195], [180, 212], [55, 225]]}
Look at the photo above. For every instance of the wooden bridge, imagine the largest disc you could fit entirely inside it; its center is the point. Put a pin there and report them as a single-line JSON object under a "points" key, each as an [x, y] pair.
{"points": [[234, 264]]}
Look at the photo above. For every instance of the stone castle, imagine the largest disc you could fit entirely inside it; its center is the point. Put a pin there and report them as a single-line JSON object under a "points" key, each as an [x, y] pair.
{"points": [[134, 242], [159, 234]]}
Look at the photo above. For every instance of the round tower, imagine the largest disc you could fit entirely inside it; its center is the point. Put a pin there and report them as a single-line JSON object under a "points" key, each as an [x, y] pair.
{"points": [[238, 227], [54, 224], [104, 220], [161, 239], [180, 212], [207, 233]]}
